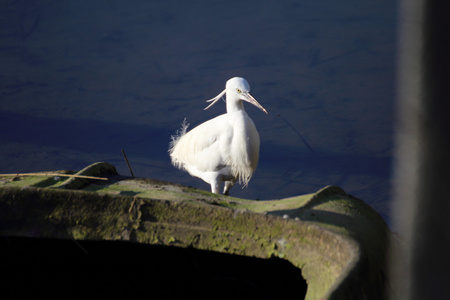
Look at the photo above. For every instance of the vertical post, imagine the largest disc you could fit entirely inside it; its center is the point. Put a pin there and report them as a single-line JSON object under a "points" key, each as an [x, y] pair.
{"points": [[422, 170]]}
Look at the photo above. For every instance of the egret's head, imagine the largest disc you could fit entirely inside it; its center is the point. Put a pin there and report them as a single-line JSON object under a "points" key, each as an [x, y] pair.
{"points": [[237, 85], [237, 89]]}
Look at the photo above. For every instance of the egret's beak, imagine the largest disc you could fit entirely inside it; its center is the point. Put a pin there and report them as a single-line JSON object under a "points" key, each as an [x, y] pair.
{"points": [[249, 98], [215, 99]]}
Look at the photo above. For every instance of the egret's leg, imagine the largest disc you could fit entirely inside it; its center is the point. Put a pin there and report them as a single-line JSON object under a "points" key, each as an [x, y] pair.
{"points": [[228, 185], [215, 186]]}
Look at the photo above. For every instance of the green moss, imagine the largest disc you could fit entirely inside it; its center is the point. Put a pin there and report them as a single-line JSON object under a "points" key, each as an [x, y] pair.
{"points": [[25, 181]]}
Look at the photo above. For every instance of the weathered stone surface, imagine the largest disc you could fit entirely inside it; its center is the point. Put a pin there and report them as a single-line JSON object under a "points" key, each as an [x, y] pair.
{"points": [[338, 241]]}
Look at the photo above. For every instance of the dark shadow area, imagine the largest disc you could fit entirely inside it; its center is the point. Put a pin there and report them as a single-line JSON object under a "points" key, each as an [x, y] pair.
{"points": [[68, 269], [82, 135], [109, 137]]}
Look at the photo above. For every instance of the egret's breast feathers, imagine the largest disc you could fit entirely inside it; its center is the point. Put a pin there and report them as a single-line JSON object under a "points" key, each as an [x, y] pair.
{"points": [[245, 151]]}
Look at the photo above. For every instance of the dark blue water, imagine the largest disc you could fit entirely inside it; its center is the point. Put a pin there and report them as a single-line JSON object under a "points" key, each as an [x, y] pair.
{"points": [[81, 80]]}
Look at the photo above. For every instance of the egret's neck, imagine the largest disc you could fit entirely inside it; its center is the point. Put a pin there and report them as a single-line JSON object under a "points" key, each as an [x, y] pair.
{"points": [[233, 105]]}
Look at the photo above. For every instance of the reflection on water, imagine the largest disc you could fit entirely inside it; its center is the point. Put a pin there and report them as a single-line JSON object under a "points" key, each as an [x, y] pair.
{"points": [[81, 81]]}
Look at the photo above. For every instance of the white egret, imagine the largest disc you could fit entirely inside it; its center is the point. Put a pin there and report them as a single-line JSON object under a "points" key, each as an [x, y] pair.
{"points": [[225, 148]]}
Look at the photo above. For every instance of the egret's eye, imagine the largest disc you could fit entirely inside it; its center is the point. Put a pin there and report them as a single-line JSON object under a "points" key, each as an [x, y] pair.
{"points": [[238, 90]]}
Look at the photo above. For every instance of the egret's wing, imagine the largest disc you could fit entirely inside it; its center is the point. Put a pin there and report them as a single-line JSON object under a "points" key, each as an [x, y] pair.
{"points": [[206, 146]]}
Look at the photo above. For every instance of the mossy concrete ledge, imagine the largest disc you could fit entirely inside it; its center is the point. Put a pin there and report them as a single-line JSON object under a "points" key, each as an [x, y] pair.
{"points": [[339, 242]]}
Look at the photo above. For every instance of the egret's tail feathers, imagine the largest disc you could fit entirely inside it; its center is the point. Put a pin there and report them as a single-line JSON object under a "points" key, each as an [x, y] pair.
{"points": [[178, 135], [174, 140]]}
